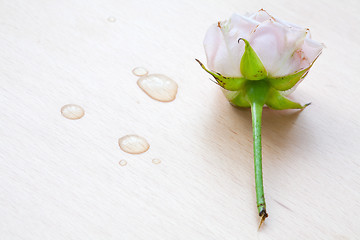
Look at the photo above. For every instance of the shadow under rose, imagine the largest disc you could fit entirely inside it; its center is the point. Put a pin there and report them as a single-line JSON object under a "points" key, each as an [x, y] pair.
{"points": [[232, 131], [227, 136], [282, 125], [280, 131]]}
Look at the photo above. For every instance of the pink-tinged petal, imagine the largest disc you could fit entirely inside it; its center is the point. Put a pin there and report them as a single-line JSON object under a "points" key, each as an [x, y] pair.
{"points": [[292, 57], [212, 42], [219, 58], [244, 21], [221, 45], [261, 16], [289, 25], [269, 43], [311, 49], [302, 57], [293, 63], [283, 47]]}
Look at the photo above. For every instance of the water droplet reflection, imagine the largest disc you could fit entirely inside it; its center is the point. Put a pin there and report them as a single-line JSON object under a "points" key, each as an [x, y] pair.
{"points": [[72, 111], [122, 162], [133, 144], [156, 161], [140, 71], [159, 87]]}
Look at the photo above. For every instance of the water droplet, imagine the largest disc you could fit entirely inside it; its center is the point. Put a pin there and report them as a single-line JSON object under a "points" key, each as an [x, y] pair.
{"points": [[111, 19], [72, 111], [156, 161], [133, 144], [122, 162], [158, 87], [140, 71]]}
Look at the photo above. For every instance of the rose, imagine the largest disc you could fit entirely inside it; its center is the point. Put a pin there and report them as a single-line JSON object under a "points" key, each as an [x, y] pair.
{"points": [[282, 47], [259, 59]]}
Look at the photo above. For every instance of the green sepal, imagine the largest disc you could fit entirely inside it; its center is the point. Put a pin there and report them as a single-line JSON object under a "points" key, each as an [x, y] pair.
{"points": [[237, 98], [251, 66], [229, 83], [286, 82], [277, 101]]}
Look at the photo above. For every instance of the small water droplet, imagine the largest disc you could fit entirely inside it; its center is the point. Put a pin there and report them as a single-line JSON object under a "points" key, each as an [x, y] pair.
{"points": [[140, 71], [122, 162], [159, 87], [111, 19], [133, 144], [156, 161], [72, 111]]}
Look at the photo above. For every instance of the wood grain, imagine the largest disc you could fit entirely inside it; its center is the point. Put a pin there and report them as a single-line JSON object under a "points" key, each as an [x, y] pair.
{"points": [[60, 179]]}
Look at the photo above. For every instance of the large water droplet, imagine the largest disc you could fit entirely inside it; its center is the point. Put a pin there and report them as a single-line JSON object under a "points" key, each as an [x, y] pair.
{"points": [[158, 87], [140, 71], [133, 144], [72, 111]]}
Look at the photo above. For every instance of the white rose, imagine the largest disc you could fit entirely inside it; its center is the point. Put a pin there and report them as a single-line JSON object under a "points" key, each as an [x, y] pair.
{"points": [[258, 59], [283, 48]]}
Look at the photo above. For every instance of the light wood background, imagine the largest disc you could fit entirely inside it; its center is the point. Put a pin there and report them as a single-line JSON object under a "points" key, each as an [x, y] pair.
{"points": [[60, 179]]}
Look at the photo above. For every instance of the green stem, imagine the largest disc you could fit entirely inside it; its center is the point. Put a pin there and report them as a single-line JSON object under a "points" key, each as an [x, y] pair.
{"points": [[257, 92], [256, 112]]}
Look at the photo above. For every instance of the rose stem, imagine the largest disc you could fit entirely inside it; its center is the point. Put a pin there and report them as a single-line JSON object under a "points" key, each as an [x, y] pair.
{"points": [[256, 92], [256, 112]]}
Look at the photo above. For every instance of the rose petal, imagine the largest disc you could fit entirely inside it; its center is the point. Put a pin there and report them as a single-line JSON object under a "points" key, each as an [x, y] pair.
{"points": [[247, 23], [261, 16], [219, 58], [221, 45], [289, 25], [292, 56], [212, 42], [302, 57], [311, 49], [283, 47], [268, 41]]}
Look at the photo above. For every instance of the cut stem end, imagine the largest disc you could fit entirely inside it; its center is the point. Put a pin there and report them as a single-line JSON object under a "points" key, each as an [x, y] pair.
{"points": [[263, 215]]}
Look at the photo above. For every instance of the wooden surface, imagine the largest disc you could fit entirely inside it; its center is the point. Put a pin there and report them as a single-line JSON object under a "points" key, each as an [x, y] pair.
{"points": [[60, 178]]}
